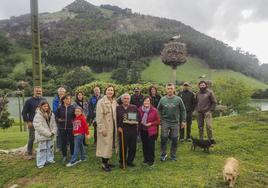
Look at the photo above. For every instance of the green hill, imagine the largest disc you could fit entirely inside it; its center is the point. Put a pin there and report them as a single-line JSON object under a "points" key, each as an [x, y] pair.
{"points": [[157, 72]]}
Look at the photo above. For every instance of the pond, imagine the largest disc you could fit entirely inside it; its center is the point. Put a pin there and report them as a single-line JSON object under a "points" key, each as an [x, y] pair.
{"points": [[260, 103]]}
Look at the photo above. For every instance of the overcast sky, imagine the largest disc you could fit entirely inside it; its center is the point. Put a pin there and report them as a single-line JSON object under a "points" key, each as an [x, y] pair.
{"points": [[240, 23]]}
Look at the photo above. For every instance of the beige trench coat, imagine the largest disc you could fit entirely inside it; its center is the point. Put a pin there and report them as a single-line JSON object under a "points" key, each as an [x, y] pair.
{"points": [[106, 122]]}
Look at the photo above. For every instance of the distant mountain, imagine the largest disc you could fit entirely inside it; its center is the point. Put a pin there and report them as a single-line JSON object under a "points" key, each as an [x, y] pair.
{"points": [[105, 36]]}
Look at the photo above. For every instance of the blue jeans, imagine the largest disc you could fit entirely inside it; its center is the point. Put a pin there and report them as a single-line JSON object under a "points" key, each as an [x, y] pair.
{"points": [[78, 147], [44, 153]]}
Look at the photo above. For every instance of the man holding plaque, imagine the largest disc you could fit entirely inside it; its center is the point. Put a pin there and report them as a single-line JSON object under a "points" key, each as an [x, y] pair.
{"points": [[127, 123]]}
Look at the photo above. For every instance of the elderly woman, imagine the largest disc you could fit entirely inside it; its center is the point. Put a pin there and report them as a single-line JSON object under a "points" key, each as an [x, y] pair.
{"points": [[149, 126], [106, 129]]}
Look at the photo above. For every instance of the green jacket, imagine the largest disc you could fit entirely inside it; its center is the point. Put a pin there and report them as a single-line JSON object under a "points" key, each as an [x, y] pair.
{"points": [[172, 110]]}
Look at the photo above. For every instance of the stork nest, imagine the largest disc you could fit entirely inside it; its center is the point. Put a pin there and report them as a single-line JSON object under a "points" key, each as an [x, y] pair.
{"points": [[174, 54]]}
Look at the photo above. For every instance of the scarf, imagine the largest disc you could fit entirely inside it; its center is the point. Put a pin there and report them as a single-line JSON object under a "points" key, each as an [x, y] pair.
{"points": [[145, 115], [80, 103]]}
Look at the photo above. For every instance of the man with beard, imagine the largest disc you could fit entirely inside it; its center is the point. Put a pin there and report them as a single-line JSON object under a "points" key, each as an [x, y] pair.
{"points": [[28, 113], [205, 105]]}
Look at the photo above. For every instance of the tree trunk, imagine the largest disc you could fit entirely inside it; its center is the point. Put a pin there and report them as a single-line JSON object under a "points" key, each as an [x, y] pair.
{"points": [[174, 75]]}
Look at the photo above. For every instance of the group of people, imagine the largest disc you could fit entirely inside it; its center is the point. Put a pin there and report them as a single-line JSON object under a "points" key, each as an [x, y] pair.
{"points": [[117, 122]]}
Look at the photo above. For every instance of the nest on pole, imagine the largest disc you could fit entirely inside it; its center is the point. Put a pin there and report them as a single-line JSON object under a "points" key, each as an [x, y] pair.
{"points": [[174, 54]]}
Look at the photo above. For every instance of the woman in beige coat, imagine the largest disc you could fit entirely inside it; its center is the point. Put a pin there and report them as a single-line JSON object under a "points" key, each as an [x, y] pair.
{"points": [[106, 129]]}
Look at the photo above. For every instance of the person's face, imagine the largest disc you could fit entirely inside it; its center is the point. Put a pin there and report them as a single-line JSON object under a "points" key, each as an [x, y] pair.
{"points": [[45, 107], [80, 96], [153, 91], [37, 92], [146, 103], [202, 86], [126, 100], [110, 92], [97, 91], [170, 90], [186, 87], [67, 101], [137, 92], [61, 93], [77, 112]]}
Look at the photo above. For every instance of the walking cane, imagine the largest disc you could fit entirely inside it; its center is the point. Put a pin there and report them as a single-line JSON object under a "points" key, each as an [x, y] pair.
{"points": [[123, 149]]}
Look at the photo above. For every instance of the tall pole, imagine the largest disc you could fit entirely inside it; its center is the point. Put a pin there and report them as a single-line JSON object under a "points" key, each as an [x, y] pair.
{"points": [[36, 55]]}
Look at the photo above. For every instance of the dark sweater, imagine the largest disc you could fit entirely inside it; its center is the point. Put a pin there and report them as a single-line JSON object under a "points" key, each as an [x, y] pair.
{"points": [[188, 99], [155, 100], [137, 100], [29, 108], [205, 101], [65, 116], [121, 112]]}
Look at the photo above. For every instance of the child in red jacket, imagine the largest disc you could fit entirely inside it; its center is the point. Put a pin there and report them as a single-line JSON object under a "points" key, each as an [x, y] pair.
{"points": [[80, 130]]}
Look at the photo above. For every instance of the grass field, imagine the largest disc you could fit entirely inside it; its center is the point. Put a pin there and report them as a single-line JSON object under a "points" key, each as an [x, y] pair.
{"points": [[191, 71], [244, 137]]}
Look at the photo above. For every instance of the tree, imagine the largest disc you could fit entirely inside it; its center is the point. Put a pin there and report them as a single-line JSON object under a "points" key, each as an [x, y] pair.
{"points": [[5, 121]]}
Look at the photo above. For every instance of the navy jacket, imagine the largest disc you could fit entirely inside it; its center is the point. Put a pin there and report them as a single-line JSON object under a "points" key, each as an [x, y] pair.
{"points": [[29, 108], [65, 116]]}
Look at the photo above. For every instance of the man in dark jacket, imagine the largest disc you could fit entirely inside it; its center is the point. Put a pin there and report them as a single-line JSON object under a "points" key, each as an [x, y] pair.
{"points": [[205, 105], [127, 126], [137, 98], [28, 113], [188, 98], [92, 104]]}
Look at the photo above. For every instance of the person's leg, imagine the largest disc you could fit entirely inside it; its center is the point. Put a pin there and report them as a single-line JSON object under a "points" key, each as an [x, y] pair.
{"points": [[182, 130], [208, 120], [82, 150], [105, 165], [41, 154], [71, 140], [189, 124], [30, 141], [76, 149], [200, 122], [164, 139], [144, 136], [174, 131], [58, 140], [63, 137], [132, 145], [50, 153], [95, 133], [151, 149]]}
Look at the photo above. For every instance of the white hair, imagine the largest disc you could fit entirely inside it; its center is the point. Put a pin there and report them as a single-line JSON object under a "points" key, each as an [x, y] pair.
{"points": [[61, 89], [124, 95]]}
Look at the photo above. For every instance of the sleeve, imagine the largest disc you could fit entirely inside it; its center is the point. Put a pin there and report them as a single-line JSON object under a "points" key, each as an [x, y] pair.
{"points": [[25, 111], [37, 123], [119, 120], [159, 106], [53, 124], [90, 110], [85, 126], [100, 117], [182, 111], [193, 102], [156, 122], [55, 105], [213, 101]]}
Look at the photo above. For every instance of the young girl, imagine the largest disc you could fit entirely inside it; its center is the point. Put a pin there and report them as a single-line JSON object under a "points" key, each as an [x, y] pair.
{"points": [[80, 130], [45, 129]]}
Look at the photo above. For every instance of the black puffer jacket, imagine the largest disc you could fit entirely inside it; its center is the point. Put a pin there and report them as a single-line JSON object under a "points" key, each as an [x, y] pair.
{"points": [[65, 116]]}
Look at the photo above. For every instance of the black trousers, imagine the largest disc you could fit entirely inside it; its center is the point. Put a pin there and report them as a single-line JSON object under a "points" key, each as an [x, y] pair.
{"points": [[148, 146], [65, 136], [130, 144], [189, 118], [95, 132]]}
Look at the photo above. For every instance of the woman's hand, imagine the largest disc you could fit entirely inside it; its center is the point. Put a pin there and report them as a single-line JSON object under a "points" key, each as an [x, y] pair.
{"points": [[148, 124]]}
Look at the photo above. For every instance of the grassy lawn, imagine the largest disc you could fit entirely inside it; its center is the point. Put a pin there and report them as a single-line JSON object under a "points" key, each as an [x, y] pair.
{"points": [[244, 137], [191, 71]]}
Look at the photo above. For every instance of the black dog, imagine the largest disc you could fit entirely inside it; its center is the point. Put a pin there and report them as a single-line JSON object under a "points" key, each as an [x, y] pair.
{"points": [[204, 144]]}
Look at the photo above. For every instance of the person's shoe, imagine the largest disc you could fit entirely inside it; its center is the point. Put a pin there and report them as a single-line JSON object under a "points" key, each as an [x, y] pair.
{"points": [[181, 139], [64, 159], [51, 162], [145, 161], [106, 168], [42, 166], [151, 164], [213, 142], [189, 140], [163, 157], [173, 158], [72, 163], [131, 164], [111, 165]]}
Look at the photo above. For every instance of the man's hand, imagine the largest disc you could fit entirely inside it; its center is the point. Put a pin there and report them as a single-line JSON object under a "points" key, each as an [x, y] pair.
{"points": [[29, 124], [120, 130], [183, 125], [148, 124]]}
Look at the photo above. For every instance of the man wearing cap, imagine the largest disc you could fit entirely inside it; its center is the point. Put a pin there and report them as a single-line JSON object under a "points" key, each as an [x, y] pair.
{"points": [[137, 98], [188, 98], [205, 105]]}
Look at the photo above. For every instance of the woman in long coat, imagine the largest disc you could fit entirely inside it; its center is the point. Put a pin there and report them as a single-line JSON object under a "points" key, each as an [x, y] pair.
{"points": [[106, 129]]}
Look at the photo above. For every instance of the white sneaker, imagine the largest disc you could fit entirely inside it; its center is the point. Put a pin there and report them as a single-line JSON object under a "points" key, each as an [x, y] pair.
{"points": [[42, 166], [70, 164], [52, 162]]}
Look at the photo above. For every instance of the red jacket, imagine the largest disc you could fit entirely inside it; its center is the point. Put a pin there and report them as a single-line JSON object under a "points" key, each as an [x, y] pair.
{"points": [[80, 125], [153, 118]]}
